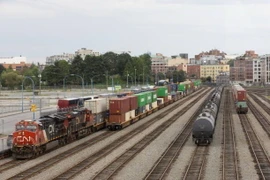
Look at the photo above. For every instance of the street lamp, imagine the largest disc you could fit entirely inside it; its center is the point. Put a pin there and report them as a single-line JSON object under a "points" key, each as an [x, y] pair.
{"points": [[127, 79], [92, 82], [112, 84], [39, 76], [135, 77], [33, 84]]}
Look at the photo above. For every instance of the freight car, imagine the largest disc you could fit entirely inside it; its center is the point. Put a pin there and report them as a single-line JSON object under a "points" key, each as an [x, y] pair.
{"points": [[240, 99], [71, 103], [31, 136], [127, 110], [204, 125]]}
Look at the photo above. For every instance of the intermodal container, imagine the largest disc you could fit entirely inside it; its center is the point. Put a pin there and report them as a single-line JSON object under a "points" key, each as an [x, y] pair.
{"points": [[181, 87], [133, 102], [154, 104], [117, 118], [162, 91], [154, 96], [148, 97], [127, 116], [96, 105], [119, 105], [141, 99], [160, 101], [147, 107], [132, 113]]}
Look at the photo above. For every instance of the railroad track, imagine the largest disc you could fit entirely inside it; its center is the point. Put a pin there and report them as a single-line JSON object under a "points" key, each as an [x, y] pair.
{"points": [[259, 116], [165, 161], [115, 166], [256, 99], [197, 163], [257, 150], [162, 166], [11, 164], [50, 162], [229, 159]]}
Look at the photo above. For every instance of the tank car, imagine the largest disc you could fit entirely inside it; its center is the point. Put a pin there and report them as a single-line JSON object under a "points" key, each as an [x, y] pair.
{"points": [[204, 125]]}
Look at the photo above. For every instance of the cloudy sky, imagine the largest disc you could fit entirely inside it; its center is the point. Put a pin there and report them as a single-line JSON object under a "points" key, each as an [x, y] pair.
{"points": [[40, 28]]}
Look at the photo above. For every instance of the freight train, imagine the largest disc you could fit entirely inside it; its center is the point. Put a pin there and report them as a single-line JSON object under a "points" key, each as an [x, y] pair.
{"points": [[204, 125], [240, 99], [113, 111]]}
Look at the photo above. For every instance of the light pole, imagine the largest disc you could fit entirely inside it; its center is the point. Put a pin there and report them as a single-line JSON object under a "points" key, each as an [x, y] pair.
{"points": [[112, 84], [77, 76], [64, 85], [127, 79], [92, 82], [135, 77], [39, 76], [143, 75], [33, 101]]}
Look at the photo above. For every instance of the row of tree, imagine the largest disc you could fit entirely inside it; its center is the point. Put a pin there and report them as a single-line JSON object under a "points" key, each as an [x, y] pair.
{"points": [[98, 69]]}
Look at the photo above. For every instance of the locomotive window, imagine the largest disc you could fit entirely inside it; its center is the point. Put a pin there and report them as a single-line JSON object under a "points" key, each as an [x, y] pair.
{"points": [[31, 128], [19, 127]]}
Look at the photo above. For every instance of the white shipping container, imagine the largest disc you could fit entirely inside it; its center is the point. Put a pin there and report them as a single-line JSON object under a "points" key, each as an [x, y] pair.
{"points": [[147, 107], [154, 104], [96, 105], [169, 97], [127, 116], [132, 113]]}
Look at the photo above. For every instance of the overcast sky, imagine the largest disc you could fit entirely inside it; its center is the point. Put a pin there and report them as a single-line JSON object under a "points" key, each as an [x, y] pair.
{"points": [[40, 28]]}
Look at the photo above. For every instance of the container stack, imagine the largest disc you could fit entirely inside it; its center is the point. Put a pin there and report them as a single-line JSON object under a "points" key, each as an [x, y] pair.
{"points": [[141, 103], [99, 110], [119, 109], [162, 95], [182, 89], [154, 100]]}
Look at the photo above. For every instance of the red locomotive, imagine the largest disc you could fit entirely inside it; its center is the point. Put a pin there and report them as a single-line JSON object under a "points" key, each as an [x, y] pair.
{"points": [[31, 137]]}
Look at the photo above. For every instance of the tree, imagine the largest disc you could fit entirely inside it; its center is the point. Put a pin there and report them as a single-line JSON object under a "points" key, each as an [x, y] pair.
{"points": [[77, 66], [11, 79], [2, 68], [209, 79], [231, 63]]}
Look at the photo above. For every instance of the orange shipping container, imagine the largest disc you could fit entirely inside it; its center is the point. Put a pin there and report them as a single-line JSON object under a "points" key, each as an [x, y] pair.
{"points": [[133, 102], [117, 118], [119, 105]]}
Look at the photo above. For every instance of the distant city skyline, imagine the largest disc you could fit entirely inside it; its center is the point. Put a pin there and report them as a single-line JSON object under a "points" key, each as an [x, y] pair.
{"points": [[37, 29]]}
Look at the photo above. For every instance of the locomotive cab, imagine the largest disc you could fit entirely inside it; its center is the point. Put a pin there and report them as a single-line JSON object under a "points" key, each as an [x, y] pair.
{"points": [[27, 138]]}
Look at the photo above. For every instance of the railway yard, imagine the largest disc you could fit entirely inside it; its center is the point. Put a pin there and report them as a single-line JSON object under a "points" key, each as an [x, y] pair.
{"points": [[160, 146]]}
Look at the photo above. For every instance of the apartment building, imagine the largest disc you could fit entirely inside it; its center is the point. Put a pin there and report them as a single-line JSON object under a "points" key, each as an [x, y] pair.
{"points": [[213, 71], [159, 63], [193, 70], [65, 56], [257, 71], [84, 52], [265, 69], [15, 63]]}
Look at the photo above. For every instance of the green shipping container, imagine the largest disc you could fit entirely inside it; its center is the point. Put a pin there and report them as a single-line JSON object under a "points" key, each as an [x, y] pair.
{"points": [[148, 97], [154, 96], [141, 99], [181, 87], [162, 91]]}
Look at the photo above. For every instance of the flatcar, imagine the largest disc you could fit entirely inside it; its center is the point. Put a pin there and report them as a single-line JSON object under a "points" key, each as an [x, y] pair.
{"points": [[204, 125], [240, 99]]}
